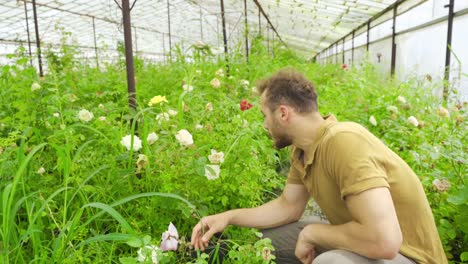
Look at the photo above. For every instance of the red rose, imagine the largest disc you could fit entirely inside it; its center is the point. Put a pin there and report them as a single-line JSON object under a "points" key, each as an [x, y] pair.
{"points": [[245, 105], [344, 66]]}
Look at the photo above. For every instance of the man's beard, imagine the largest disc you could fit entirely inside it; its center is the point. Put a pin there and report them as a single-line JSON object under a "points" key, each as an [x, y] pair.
{"points": [[282, 141]]}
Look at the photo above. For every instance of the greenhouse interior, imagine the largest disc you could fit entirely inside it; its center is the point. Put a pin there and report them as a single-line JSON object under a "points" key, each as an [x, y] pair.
{"points": [[234, 131]]}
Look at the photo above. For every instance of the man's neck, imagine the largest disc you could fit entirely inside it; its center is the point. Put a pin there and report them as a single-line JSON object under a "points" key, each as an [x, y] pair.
{"points": [[305, 132]]}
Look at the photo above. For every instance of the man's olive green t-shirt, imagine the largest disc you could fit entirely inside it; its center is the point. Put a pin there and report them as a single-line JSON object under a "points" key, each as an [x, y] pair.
{"points": [[346, 159]]}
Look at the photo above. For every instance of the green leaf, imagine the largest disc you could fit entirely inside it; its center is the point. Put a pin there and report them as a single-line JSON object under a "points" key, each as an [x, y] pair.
{"points": [[107, 237], [127, 260], [146, 240], [114, 214], [135, 242], [459, 198], [464, 256]]}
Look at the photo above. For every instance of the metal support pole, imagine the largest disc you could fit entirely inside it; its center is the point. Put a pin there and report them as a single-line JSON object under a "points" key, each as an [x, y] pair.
{"points": [[368, 35], [451, 6], [352, 48], [336, 53], [259, 22], [246, 32], [129, 54], [269, 22], [343, 59], [38, 41], [201, 25], [95, 43], [225, 37], [393, 62], [169, 27], [27, 30]]}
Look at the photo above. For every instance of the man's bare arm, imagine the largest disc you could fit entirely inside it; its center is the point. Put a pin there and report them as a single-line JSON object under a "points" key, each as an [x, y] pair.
{"points": [[285, 209], [375, 232]]}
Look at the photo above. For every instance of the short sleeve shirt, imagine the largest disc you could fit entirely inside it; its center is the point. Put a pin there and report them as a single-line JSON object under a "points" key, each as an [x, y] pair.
{"points": [[346, 159]]}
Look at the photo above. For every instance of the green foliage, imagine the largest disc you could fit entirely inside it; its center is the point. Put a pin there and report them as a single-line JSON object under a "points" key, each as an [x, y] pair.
{"points": [[71, 193]]}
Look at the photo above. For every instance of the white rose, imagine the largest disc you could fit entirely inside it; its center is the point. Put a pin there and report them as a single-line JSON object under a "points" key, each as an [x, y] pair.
{"points": [[172, 112], [101, 106], [146, 253], [412, 120], [212, 172], [85, 115], [441, 185], [209, 107], [216, 157], [142, 162], [184, 137], [372, 120], [187, 88], [162, 117], [219, 72], [126, 142], [443, 112], [35, 86], [215, 83], [56, 115], [392, 109], [401, 99], [151, 138], [41, 170]]}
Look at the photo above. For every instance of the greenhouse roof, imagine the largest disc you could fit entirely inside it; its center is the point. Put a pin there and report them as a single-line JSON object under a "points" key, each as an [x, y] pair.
{"points": [[307, 26]]}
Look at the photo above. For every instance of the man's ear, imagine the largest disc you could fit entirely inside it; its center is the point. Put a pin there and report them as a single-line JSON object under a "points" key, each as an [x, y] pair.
{"points": [[284, 112]]}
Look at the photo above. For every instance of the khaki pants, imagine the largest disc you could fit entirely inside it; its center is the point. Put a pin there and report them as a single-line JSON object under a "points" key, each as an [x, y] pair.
{"points": [[284, 240]]}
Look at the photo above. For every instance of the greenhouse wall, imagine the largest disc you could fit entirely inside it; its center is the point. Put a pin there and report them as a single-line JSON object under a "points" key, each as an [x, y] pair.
{"points": [[421, 37]]}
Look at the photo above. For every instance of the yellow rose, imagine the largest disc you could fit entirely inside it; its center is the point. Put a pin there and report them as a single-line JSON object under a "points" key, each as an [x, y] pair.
{"points": [[157, 100]]}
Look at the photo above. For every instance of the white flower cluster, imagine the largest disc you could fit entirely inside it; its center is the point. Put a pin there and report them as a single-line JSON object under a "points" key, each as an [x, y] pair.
{"points": [[187, 88], [85, 115], [151, 138], [216, 157], [35, 86], [184, 137], [413, 121], [146, 253], [372, 120], [127, 142], [213, 170]]}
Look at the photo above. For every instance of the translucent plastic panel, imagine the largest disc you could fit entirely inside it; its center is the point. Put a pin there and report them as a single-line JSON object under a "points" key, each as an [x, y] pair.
{"points": [[387, 16], [421, 14], [415, 57], [459, 72], [460, 5], [360, 55], [361, 30], [348, 55], [361, 39], [380, 31], [348, 43], [382, 49]]}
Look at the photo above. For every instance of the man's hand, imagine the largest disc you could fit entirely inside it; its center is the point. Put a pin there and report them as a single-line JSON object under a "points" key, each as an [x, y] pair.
{"points": [[305, 251], [206, 228]]}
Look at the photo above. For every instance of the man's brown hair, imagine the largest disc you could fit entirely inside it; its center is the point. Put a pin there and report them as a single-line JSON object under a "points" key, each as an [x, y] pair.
{"points": [[289, 87]]}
